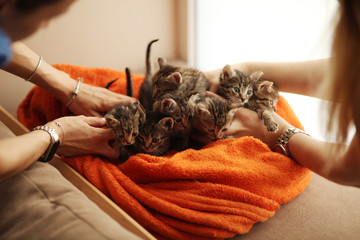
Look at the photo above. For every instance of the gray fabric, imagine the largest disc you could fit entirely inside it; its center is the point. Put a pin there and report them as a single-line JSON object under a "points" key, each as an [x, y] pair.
{"points": [[325, 210], [40, 204]]}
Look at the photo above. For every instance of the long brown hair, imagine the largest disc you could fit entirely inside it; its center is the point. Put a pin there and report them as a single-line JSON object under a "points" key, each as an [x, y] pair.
{"points": [[30, 5], [345, 68]]}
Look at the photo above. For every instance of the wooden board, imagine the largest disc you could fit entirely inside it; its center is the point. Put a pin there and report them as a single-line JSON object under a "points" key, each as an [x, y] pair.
{"points": [[106, 204]]}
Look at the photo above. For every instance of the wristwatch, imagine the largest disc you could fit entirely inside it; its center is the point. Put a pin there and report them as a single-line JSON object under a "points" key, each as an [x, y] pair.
{"points": [[54, 143], [282, 142]]}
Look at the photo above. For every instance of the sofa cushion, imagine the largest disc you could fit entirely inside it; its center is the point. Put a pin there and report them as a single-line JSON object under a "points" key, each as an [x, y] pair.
{"points": [[40, 204], [325, 210]]}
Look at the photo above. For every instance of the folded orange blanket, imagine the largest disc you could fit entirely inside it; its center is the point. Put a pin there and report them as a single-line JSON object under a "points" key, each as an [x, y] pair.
{"points": [[212, 193]]}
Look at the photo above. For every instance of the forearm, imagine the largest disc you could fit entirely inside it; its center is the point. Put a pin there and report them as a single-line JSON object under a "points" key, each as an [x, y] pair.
{"points": [[336, 162], [295, 77], [24, 62], [18, 153]]}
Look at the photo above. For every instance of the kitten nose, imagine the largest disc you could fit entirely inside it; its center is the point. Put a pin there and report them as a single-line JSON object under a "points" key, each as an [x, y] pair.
{"points": [[129, 139]]}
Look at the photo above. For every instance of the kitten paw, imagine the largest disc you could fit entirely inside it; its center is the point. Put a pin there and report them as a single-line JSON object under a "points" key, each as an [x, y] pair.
{"points": [[272, 126]]}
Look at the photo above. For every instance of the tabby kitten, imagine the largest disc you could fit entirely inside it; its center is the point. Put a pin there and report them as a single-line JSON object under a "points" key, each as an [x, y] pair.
{"points": [[263, 102], [154, 136], [181, 108], [125, 120], [177, 79], [237, 86], [146, 89], [213, 117]]}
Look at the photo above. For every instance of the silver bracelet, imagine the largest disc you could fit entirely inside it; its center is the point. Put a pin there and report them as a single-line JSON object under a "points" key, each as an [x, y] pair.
{"points": [[54, 143], [283, 140], [75, 92], [36, 69]]}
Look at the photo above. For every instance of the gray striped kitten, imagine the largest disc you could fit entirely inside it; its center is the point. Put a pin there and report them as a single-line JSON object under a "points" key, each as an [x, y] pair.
{"points": [[125, 119], [236, 86], [213, 117], [181, 108], [174, 79], [263, 102], [155, 135]]}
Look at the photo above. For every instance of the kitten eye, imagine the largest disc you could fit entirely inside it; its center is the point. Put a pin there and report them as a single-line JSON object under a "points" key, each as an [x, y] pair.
{"points": [[225, 129], [271, 102], [178, 120], [211, 130], [236, 89], [134, 134], [249, 92], [155, 140]]}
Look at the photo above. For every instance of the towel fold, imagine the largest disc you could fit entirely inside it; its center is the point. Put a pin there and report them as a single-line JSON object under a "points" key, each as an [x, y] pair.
{"points": [[213, 193]]}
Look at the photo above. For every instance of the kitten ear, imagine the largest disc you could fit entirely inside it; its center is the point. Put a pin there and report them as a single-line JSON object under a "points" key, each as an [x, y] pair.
{"points": [[141, 113], [176, 78], [156, 106], [162, 62], [227, 72], [202, 111], [111, 120], [256, 76], [166, 123], [168, 105], [266, 85]]}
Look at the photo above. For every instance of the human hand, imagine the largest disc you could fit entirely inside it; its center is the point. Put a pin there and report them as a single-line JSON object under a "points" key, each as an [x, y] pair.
{"points": [[80, 135], [247, 123], [95, 101]]}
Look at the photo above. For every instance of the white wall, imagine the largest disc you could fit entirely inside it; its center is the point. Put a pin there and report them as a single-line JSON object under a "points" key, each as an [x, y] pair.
{"points": [[231, 31], [109, 33]]}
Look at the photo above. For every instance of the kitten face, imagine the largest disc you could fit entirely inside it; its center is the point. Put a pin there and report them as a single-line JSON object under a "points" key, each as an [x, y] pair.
{"points": [[213, 118], [125, 119], [266, 94], [237, 86], [166, 79], [179, 107], [154, 136]]}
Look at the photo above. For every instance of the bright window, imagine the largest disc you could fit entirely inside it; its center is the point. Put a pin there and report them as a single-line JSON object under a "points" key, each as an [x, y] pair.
{"points": [[231, 31]]}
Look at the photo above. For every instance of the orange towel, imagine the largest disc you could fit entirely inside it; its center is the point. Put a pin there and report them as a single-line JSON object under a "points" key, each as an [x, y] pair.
{"points": [[212, 193]]}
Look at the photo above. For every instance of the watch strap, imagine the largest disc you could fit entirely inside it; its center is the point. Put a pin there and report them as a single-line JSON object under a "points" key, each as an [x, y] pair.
{"points": [[283, 141]]}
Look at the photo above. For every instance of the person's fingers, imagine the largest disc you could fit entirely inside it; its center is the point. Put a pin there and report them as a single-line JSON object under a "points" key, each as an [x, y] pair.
{"points": [[95, 121], [95, 114]]}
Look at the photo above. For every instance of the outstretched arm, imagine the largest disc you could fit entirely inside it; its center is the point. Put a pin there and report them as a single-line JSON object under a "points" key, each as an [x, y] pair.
{"points": [[336, 162], [78, 135], [295, 77], [91, 100]]}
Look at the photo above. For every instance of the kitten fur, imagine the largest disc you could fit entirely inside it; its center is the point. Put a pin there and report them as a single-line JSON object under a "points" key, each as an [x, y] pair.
{"points": [[263, 102], [146, 89], [129, 87], [155, 135], [181, 108], [125, 119], [174, 79], [213, 117], [237, 86]]}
